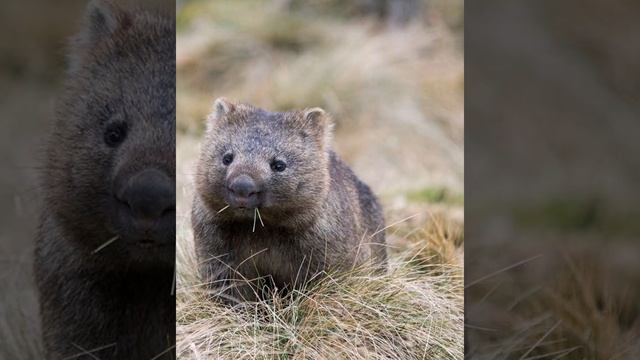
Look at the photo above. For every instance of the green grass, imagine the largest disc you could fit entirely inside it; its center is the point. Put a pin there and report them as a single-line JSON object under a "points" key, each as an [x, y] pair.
{"points": [[436, 195]]}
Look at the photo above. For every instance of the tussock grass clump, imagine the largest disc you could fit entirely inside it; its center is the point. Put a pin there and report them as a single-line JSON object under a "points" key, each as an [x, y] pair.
{"points": [[414, 311], [437, 245]]}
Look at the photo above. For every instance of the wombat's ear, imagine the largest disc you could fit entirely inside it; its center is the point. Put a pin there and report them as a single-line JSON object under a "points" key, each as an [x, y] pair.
{"points": [[102, 19], [105, 17], [318, 124], [221, 108]]}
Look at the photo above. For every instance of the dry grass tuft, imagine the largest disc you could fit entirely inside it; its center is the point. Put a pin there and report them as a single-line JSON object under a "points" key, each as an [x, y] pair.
{"points": [[437, 244], [415, 311]]}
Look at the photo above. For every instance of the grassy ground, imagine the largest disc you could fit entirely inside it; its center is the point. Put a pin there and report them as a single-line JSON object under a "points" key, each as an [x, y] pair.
{"points": [[396, 96], [412, 312]]}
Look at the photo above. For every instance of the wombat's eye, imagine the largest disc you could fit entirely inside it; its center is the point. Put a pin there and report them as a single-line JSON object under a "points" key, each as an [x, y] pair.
{"points": [[278, 165], [227, 159], [115, 134]]}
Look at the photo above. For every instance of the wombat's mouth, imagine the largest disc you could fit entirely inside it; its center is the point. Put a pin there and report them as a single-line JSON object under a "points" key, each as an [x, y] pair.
{"points": [[243, 210], [242, 203]]}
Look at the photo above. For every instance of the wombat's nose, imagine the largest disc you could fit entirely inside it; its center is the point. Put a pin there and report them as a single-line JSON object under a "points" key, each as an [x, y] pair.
{"points": [[149, 194], [243, 186]]}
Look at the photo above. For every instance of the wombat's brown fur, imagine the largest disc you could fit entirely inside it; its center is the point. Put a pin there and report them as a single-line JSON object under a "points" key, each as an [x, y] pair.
{"points": [[317, 215], [110, 174]]}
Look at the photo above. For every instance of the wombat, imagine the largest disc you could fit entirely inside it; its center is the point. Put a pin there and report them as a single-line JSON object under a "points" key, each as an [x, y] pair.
{"points": [[274, 202], [105, 247]]}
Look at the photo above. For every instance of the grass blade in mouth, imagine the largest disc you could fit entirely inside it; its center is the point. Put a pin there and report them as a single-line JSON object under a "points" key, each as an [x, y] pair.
{"points": [[254, 219], [259, 218], [105, 244]]}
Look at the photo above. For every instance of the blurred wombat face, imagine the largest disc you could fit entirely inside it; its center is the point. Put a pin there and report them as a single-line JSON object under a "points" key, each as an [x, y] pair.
{"points": [[113, 169], [275, 162]]}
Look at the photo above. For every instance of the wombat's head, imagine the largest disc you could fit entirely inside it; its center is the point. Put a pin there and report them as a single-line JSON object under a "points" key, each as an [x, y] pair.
{"points": [[275, 162], [110, 172]]}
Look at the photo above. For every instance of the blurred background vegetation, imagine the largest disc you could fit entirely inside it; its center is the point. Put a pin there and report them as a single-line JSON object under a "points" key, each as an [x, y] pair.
{"points": [[393, 83]]}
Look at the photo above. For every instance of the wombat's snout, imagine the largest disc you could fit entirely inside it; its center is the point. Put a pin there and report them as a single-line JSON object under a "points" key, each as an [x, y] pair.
{"points": [[244, 192], [149, 194]]}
